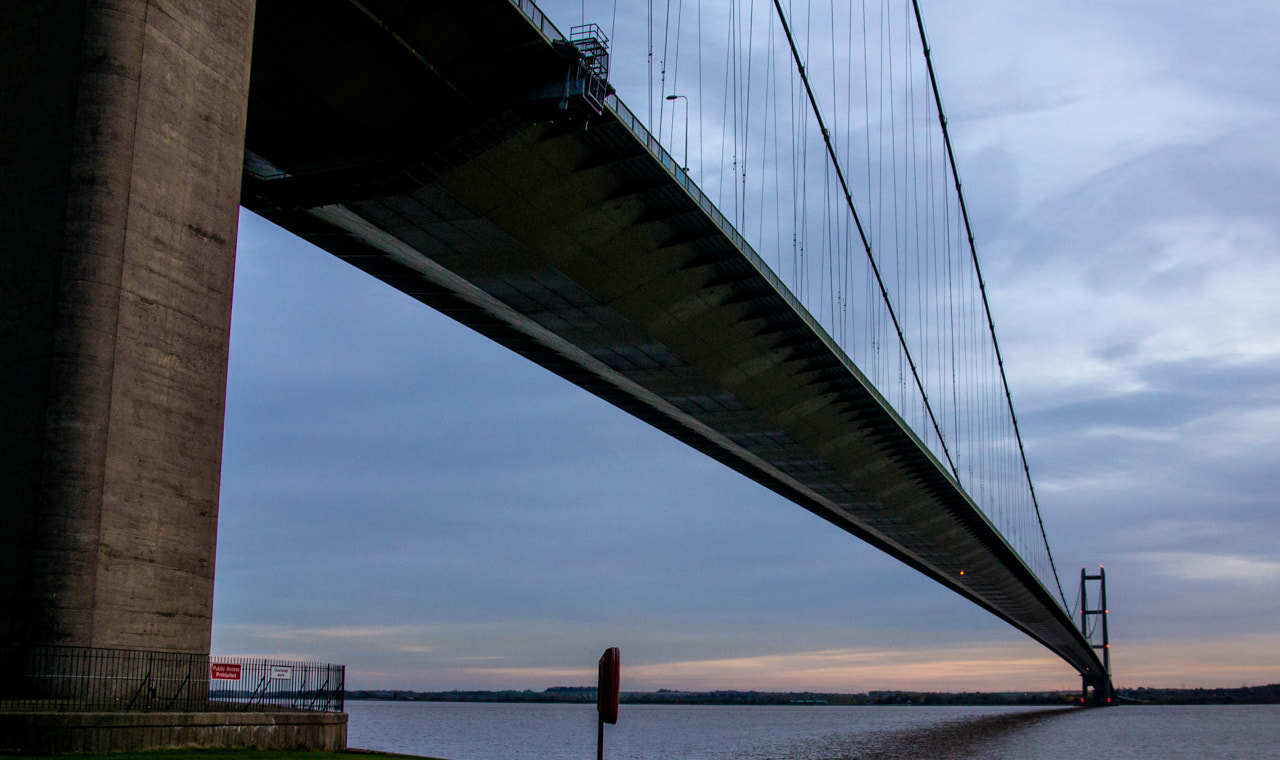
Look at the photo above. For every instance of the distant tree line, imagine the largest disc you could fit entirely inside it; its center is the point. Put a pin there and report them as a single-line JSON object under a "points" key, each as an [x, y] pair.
{"points": [[1245, 695], [1269, 694], [587, 695]]}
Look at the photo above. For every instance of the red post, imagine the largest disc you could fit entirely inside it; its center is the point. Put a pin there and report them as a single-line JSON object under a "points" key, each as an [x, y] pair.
{"points": [[607, 694]]}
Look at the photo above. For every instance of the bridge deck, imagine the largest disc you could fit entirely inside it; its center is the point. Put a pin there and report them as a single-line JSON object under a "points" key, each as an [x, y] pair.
{"points": [[433, 146]]}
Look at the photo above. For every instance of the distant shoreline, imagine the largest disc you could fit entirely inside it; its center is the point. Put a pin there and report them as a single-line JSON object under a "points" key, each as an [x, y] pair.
{"points": [[1269, 694]]}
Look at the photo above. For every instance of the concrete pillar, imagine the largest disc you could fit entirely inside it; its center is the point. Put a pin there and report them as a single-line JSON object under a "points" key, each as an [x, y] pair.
{"points": [[121, 139]]}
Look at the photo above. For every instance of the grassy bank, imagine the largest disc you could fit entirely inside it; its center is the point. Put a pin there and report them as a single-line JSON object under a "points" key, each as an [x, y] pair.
{"points": [[223, 754]]}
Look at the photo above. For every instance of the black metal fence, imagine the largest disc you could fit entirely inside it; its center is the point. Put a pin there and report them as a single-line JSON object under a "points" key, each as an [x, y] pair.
{"points": [[273, 684], [85, 678]]}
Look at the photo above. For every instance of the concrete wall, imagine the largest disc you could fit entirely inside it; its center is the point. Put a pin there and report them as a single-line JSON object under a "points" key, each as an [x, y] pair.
{"points": [[57, 733], [121, 139]]}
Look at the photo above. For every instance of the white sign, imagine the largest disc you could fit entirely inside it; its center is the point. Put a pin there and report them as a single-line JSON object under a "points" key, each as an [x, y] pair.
{"points": [[279, 673]]}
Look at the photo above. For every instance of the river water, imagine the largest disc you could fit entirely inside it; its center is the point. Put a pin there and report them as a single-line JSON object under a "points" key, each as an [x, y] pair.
{"points": [[468, 731]]}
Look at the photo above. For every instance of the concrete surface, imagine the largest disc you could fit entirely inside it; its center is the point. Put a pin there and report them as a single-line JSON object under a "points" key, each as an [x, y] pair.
{"points": [[61, 733], [122, 126]]}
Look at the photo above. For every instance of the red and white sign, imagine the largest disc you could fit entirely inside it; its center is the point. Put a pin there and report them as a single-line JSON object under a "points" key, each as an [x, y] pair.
{"points": [[225, 671]]}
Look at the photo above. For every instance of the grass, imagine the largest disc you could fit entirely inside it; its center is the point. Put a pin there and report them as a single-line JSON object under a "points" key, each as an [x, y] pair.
{"points": [[218, 755]]}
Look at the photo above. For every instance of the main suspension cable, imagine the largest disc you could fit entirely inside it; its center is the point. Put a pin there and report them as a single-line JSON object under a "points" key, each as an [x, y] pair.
{"points": [[982, 288], [875, 268]]}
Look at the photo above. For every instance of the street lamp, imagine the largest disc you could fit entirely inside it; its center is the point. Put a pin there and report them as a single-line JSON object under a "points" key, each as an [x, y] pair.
{"points": [[685, 168]]}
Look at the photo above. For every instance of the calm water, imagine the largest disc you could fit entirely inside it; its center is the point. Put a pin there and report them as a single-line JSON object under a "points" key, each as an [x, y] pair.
{"points": [[568, 732]]}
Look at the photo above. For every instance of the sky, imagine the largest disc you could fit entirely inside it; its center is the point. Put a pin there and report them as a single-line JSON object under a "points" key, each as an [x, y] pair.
{"points": [[403, 496]]}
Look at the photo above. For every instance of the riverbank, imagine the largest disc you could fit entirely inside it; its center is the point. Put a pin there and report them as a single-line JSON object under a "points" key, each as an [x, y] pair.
{"points": [[232, 754], [587, 695], [1244, 695]]}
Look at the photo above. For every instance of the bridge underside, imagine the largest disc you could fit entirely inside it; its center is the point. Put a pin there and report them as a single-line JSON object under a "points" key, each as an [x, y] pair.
{"points": [[435, 146]]}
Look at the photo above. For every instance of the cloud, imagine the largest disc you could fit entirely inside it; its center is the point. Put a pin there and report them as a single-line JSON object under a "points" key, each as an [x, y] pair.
{"points": [[252, 639], [1196, 566], [343, 633], [842, 670], [959, 668], [1173, 661]]}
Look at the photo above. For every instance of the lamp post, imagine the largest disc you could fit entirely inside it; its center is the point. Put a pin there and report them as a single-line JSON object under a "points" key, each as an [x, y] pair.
{"points": [[686, 128]]}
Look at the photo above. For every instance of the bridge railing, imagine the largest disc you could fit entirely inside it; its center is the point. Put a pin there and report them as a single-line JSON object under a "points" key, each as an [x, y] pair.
{"points": [[127, 680], [637, 127], [539, 19]]}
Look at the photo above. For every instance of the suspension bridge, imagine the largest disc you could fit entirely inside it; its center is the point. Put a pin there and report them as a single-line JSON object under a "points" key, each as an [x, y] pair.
{"points": [[852, 367], [795, 292]]}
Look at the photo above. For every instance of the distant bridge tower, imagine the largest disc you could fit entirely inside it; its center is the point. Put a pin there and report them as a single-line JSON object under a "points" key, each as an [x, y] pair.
{"points": [[1103, 692]]}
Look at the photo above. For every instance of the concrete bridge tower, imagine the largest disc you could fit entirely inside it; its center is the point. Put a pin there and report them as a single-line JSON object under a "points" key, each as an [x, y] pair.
{"points": [[121, 139]]}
